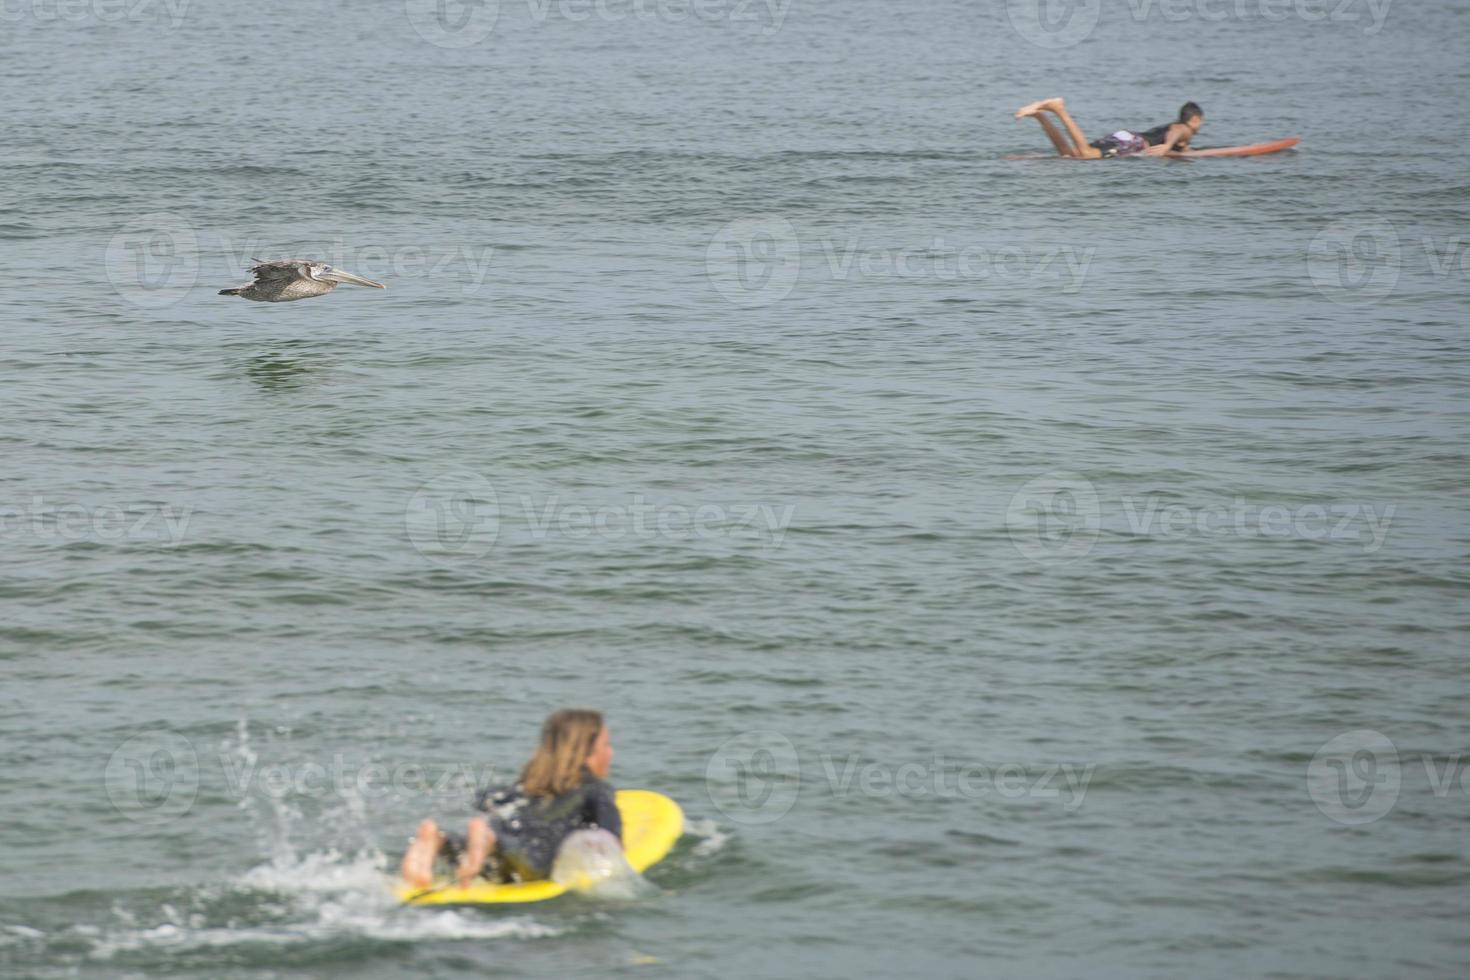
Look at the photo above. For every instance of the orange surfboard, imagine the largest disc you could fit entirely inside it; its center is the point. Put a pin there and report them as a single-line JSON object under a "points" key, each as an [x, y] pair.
{"points": [[1254, 150]]}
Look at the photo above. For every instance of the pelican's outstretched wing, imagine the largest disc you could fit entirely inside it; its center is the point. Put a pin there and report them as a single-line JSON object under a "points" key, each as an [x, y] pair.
{"points": [[270, 279], [279, 269]]}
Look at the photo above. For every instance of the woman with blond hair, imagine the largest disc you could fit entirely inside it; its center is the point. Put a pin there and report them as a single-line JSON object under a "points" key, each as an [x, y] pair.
{"points": [[560, 790]]}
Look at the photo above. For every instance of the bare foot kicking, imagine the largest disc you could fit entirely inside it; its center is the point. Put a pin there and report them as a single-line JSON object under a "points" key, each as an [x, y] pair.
{"points": [[418, 861], [1035, 107]]}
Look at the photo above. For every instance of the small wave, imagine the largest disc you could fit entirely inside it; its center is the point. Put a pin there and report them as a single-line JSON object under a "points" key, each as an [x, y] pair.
{"points": [[712, 841], [326, 872], [13, 934], [333, 924], [319, 897]]}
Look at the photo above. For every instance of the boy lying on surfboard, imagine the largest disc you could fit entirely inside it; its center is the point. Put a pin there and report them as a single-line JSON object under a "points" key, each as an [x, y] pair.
{"points": [[1169, 138], [560, 790]]}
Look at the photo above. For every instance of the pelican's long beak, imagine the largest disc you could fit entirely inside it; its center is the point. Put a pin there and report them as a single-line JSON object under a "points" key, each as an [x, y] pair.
{"points": [[348, 277]]}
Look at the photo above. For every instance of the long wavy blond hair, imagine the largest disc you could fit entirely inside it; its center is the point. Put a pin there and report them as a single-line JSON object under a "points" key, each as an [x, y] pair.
{"points": [[560, 761]]}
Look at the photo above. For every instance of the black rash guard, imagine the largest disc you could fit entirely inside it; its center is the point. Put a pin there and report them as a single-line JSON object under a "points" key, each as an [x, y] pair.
{"points": [[1158, 134], [529, 830]]}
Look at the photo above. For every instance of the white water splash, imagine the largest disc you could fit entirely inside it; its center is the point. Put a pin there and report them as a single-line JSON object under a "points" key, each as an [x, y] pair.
{"points": [[592, 862], [318, 897], [299, 894]]}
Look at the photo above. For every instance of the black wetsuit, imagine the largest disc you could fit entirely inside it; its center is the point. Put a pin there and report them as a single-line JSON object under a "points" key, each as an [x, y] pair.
{"points": [[529, 830]]}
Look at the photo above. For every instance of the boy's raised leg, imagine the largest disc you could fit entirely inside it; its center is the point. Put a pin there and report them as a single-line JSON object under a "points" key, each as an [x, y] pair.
{"points": [[1063, 145], [1075, 143]]}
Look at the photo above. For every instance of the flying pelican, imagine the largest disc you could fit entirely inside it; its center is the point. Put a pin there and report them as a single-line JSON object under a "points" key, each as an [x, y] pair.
{"points": [[290, 279]]}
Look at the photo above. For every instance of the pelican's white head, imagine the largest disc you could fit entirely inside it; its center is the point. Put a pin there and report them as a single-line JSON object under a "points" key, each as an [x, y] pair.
{"points": [[322, 272]]}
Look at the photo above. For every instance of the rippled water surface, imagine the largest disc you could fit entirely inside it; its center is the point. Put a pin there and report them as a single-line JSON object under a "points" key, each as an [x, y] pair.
{"points": [[1013, 568]]}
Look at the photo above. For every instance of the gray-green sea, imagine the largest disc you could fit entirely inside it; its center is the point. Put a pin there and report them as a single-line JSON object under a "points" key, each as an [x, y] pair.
{"points": [[1016, 569]]}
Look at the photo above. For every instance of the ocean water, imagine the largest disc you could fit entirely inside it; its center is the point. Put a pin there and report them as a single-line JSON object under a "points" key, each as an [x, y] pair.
{"points": [[1013, 568]]}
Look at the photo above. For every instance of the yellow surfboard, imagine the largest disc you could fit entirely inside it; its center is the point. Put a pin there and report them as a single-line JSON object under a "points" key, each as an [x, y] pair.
{"points": [[651, 824]]}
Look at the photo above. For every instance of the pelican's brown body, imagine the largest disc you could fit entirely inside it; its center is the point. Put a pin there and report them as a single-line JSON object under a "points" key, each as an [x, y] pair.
{"points": [[291, 279]]}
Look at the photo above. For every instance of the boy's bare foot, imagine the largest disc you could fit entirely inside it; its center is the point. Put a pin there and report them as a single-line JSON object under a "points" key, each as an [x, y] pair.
{"points": [[479, 841], [418, 861], [1035, 107]]}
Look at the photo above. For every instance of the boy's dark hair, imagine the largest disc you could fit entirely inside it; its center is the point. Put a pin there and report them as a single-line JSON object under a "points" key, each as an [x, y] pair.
{"points": [[1190, 110]]}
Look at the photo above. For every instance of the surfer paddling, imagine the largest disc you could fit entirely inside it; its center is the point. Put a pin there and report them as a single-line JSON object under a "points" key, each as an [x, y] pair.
{"points": [[560, 790], [1168, 138]]}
